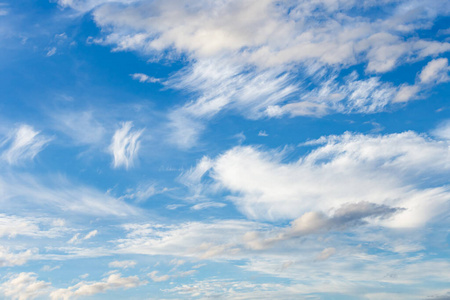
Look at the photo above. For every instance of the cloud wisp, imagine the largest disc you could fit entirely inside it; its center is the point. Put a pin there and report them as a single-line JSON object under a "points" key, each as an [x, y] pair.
{"points": [[24, 144], [125, 145]]}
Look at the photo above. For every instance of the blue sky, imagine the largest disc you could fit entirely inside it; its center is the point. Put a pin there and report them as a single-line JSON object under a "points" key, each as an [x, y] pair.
{"points": [[229, 149]]}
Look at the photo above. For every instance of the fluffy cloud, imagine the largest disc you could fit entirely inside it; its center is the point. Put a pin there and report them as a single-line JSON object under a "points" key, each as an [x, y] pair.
{"points": [[436, 71], [382, 170], [11, 226], [193, 239], [123, 264], [8, 259], [125, 145], [153, 275], [270, 58], [112, 282], [24, 286], [24, 144]]}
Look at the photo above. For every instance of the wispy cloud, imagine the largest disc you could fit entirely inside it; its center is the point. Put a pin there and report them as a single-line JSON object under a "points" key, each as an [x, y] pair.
{"points": [[24, 286], [436, 71], [112, 282], [270, 59], [24, 143], [381, 169], [125, 145], [144, 78], [123, 264], [58, 194]]}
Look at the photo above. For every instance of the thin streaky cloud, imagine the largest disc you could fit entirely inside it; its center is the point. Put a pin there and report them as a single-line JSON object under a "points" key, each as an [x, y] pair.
{"points": [[125, 145], [24, 144]]}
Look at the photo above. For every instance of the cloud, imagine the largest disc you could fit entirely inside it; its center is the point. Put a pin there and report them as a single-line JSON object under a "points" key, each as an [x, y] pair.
{"points": [[60, 194], [91, 234], [9, 259], [82, 127], [348, 216], [205, 205], [436, 71], [191, 239], [76, 238], [4, 9], [157, 278], [443, 130], [326, 253], [262, 133], [379, 169], [24, 286], [153, 275], [48, 268], [11, 226], [124, 264], [125, 145], [51, 52], [270, 59], [144, 78], [24, 144], [112, 282], [143, 192]]}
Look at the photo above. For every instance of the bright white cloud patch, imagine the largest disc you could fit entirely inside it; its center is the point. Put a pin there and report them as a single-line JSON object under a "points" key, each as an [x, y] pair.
{"points": [[123, 264], [24, 286], [436, 71], [253, 56], [9, 258], [144, 78], [238, 196], [343, 169], [24, 144], [125, 145], [112, 282], [12, 226]]}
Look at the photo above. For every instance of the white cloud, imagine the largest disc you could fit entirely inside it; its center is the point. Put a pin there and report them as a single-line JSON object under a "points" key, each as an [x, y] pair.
{"points": [[192, 239], [82, 127], [210, 204], [153, 275], [436, 71], [60, 194], [48, 268], [125, 145], [112, 282], [262, 133], [25, 144], [443, 130], [4, 9], [269, 58], [123, 264], [90, 234], [144, 78], [51, 52], [346, 169], [143, 192], [11, 226], [9, 259], [24, 286], [326, 253], [76, 238]]}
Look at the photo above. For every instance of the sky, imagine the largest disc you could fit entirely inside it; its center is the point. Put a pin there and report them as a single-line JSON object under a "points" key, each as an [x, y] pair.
{"points": [[227, 149]]}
